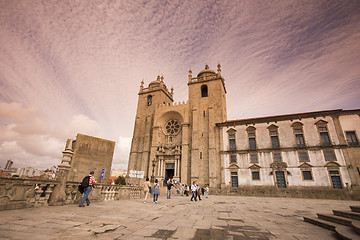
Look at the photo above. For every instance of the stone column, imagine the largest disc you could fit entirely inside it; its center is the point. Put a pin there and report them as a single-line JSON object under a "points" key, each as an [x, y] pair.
{"points": [[58, 196]]}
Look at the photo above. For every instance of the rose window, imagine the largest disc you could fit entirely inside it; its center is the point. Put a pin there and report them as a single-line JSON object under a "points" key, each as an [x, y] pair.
{"points": [[172, 127]]}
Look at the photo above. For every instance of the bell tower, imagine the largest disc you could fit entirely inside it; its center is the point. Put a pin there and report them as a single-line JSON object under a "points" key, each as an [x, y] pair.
{"points": [[207, 99], [155, 94]]}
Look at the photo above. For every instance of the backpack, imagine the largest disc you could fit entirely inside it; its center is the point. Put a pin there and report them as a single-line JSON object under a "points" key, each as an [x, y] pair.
{"points": [[85, 182]]}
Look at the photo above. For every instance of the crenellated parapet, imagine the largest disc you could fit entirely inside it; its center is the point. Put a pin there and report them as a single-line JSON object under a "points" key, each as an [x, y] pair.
{"points": [[173, 104]]}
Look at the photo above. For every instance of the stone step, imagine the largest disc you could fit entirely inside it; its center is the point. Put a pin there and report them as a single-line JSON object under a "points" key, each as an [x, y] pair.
{"points": [[356, 226], [341, 231], [355, 208], [335, 219], [346, 233], [347, 214], [321, 223]]}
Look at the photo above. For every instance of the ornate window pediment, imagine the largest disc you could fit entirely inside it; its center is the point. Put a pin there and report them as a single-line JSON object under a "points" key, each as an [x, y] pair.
{"points": [[233, 166], [273, 127], [250, 129], [321, 122], [297, 125], [305, 165], [254, 167], [332, 165], [231, 131], [278, 165]]}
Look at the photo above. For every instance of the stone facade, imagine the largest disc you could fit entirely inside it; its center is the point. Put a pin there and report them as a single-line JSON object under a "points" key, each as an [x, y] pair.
{"points": [[193, 141], [180, 141], [91, 154], [296, 150]]}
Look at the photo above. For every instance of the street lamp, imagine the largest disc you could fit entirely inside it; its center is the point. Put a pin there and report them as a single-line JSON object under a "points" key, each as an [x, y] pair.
{"points": [[153, 168]]}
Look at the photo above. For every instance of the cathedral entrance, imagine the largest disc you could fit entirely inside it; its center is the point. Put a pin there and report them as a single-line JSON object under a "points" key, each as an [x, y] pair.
{"points": [[169, 171]]}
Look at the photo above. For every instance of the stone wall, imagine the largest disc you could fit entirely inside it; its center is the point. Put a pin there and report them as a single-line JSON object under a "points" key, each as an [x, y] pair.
{"points": [[18, 193], [291, 192]]}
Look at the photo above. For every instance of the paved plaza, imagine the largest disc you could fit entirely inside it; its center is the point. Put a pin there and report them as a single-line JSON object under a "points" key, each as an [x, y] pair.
{"points": [[216, 217]]}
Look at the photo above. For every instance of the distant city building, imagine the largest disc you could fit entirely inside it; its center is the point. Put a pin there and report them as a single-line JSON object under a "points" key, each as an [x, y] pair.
{"points": [[28, 172], [118, 172], [8, 170], [9, 164], [194, 141]]}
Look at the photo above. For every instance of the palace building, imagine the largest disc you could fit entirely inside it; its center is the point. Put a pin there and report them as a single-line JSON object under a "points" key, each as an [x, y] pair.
{"points": [[194, 141]]}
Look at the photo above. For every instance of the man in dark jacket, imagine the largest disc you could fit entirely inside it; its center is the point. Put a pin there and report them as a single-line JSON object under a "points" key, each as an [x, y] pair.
{"points": [[87, 183], [169, 185]]}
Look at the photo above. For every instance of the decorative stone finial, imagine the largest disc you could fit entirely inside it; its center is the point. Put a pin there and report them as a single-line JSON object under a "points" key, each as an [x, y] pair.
{"points": [[190, 75], [219, 69], [158, 78], [206, 66], [162, 78], [172, 91]]}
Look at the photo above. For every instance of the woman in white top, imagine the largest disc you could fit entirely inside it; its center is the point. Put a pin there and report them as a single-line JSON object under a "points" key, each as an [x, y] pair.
{"points": [[146, 189]]}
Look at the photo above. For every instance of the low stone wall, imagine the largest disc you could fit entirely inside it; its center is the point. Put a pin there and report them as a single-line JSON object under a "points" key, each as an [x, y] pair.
{"points": [[18, 193], [291, 192]]}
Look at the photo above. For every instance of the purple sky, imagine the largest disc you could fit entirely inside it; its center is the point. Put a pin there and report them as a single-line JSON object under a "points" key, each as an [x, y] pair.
{"points": [[69, 67]]}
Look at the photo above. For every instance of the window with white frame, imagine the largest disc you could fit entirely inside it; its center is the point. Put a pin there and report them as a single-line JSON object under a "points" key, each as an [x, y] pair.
{"points": [[324, 135], [274, 136], [232, 142], [351, 138], [255, 175], [252, 137], [307, 175]]}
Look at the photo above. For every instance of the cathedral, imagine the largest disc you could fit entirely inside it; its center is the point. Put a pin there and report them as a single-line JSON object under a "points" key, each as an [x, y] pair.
{"points": [[194, 141]]}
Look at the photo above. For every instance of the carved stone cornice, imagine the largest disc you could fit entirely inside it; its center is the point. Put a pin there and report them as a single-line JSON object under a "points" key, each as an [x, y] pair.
{"points": [[278, 165]]}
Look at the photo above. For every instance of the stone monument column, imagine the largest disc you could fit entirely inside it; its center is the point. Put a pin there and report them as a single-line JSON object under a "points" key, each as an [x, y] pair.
{"points": [[58, 196]]}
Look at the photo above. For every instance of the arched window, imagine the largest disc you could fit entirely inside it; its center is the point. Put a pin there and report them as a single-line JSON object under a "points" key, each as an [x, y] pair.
{"points": [[204, 91], [149, 100]]}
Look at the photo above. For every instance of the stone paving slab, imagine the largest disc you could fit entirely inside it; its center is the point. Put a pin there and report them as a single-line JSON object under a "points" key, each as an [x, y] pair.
{"points": [[216, 217]]}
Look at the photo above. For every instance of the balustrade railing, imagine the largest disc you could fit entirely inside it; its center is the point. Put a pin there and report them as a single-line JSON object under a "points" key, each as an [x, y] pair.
{"points": [[27, 192]]}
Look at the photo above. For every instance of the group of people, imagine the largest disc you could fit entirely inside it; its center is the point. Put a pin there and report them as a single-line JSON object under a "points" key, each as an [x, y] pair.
{"points": [[181, 189]]}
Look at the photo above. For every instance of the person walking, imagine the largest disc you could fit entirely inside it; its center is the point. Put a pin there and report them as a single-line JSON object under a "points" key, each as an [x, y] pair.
{"points": [[207, 191], [87, 183], [146, 188], [169, 185], [193, 190], [156, 191], [198, 191]]}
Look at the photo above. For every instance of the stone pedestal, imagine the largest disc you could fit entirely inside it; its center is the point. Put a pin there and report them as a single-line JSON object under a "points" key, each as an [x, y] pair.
{"points": [[58, 197]]}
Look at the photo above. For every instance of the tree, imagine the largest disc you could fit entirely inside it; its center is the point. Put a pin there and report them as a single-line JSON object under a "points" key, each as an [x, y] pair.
{"points": [[120, 180]]}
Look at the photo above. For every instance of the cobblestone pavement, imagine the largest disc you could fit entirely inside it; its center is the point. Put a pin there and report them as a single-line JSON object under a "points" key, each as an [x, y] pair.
{"points": [[216, 217]]}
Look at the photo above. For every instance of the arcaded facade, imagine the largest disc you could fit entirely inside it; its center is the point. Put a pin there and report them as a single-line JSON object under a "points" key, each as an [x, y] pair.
{"points": [[194, 141]]}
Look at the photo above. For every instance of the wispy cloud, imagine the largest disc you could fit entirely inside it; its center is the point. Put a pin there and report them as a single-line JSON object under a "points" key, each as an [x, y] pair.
{"points": [[84, 61]]}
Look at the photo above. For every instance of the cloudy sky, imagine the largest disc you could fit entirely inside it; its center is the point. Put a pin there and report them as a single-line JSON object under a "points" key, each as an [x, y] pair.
{"points": [[69, 67]]}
